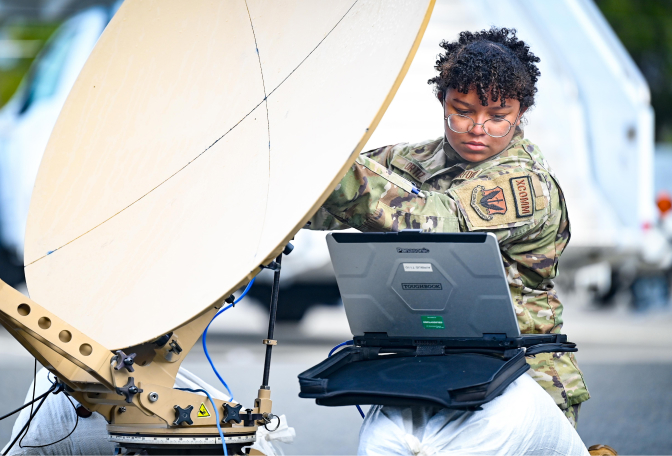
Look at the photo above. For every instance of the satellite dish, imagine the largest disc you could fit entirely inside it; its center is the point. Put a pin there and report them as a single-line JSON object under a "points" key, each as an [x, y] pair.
{"points": [[198, 138]]}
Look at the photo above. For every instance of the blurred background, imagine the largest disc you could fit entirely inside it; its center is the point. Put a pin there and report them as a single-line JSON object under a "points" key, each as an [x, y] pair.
{"points": [[603, 120]]}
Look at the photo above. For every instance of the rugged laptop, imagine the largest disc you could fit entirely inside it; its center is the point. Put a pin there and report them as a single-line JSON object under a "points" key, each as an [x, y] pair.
{"points": [[432, 320]]}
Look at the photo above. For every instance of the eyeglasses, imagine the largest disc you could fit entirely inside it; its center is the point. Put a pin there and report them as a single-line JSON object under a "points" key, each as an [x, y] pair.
{"points": [[495, 127]]}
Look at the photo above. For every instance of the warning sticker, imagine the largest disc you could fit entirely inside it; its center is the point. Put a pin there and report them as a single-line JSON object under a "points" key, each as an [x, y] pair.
{"points": [[433, 322], [417, 267], [203, 411]]}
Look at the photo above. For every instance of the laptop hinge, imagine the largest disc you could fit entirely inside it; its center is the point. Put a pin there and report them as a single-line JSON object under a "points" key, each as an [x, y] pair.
{"points": [[494, 336]]}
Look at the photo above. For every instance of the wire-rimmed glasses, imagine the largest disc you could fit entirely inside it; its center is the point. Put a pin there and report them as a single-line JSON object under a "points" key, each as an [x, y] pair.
{"points": [[495, 127]]}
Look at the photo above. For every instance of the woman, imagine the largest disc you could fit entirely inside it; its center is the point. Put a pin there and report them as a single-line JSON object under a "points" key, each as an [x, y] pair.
{"points": [[482, 175]]}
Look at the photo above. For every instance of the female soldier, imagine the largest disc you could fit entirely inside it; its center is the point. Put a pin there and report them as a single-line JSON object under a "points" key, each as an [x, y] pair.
{"points": [[482, 175]]}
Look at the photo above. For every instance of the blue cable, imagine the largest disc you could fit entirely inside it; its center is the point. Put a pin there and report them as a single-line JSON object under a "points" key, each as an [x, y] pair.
{"points": [[205, 336], [347, 342], [214, 406]]}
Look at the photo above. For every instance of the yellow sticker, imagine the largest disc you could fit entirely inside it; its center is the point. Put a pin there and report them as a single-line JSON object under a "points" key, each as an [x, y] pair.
{"points": [[203, 411]]}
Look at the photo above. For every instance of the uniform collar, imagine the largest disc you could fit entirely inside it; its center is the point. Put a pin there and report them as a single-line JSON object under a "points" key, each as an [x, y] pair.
{"points": [[452, 159]]}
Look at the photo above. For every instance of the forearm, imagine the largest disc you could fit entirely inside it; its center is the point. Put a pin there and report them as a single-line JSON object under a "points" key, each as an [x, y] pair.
{"points": [[372, 198]]}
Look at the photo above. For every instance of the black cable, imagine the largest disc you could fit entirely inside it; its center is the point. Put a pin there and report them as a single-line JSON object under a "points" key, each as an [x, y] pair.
{"points": [[31, 405], [60, 440], [24, 406], [25, 426]]}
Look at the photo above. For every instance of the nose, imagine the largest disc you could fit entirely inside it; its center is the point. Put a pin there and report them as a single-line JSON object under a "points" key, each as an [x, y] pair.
{"points": [[478, 129]]}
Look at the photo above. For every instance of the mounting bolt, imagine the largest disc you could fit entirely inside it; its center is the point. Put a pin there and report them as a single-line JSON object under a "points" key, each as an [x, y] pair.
{"points": [[133, 389], [121, 409], [153, 396]]}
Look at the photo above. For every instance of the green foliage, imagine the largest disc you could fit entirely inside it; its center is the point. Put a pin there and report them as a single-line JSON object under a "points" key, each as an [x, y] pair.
{"points": [[645, 28], [12, 70]]}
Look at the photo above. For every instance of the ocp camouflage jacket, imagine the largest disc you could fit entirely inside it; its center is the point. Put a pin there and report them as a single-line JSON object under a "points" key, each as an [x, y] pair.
{"points": [[512, 194]]}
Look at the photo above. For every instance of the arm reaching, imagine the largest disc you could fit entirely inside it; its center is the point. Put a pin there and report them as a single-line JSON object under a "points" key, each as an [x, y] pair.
{"points": [[372, 198]]}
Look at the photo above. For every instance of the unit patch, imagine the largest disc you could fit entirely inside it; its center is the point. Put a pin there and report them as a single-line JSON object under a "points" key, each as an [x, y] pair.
{"points": [[488, 202], [203, 411], [503, 201], [522, 195]]}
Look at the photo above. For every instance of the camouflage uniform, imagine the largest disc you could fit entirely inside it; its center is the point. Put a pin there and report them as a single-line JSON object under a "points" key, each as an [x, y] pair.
{"points": [[512, 194]]}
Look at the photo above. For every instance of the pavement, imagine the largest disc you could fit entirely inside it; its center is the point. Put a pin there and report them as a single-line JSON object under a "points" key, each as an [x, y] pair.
{"points": [[626, 359]]}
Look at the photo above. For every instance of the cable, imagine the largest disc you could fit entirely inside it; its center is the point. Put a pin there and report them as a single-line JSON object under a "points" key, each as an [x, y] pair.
{"points": [[205, 336], [347, 342], [214, 406], [59, 440], [24, 406], [25, 426], [31, 405], [342, 344]]}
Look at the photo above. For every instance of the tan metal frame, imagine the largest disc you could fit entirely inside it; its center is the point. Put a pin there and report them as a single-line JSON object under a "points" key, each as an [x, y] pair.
{"points": [[86, 367]]}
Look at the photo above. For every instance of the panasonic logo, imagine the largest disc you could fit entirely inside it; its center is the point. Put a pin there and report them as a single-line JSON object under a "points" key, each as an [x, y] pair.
{"points": [[422, 250], [421, 286]]}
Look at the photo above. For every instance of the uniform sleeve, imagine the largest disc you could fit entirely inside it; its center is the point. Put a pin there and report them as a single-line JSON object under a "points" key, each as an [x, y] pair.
{"points": [[372, 198], [323, 220], [516, 207]]}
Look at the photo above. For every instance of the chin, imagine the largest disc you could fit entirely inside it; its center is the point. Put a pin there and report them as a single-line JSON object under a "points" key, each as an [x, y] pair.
{"points": [[472, 156]]}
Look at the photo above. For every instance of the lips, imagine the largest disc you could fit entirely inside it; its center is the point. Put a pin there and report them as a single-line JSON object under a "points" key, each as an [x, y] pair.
{"points": [[475, 145]]}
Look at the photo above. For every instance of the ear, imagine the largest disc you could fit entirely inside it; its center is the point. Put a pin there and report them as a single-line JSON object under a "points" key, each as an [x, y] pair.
{"points": [[520, 116], [439, 96]]}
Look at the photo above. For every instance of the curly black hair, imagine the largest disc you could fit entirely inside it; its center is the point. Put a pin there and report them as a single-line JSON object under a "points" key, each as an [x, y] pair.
{"points": [[493, 62]]}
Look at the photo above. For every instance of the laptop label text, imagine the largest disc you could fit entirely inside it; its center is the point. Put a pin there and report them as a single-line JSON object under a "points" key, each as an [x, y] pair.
{"points": [[418, 267], [421, 286]]}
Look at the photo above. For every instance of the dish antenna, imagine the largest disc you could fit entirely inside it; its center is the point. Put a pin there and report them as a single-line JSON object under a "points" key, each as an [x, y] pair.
{"points": [[198, 138]]}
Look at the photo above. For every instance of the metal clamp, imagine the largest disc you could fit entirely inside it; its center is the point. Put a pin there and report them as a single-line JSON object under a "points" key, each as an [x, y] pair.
{"points": [[269, 342]]}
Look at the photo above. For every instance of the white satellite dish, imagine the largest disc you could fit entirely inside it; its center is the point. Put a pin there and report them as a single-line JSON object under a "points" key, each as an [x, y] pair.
{"points": [[198, 138]]}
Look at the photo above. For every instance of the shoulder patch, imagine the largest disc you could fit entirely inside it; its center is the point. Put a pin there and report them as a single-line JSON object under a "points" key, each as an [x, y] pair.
{"points": [[522, 195], [488, 202], [506, 200]]}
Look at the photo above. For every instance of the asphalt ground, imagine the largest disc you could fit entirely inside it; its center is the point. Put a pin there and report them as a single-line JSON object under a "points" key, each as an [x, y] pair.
{"points": [[626, 359]]}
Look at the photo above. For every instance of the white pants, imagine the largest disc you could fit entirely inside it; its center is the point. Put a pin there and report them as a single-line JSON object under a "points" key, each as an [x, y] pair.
{"points": [[524, 420], [56, 419]]}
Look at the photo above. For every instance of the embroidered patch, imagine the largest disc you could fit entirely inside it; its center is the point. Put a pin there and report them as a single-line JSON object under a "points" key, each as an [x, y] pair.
{"points": [[492, 203], [466, 175], [488, 202], [523, 196]]}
